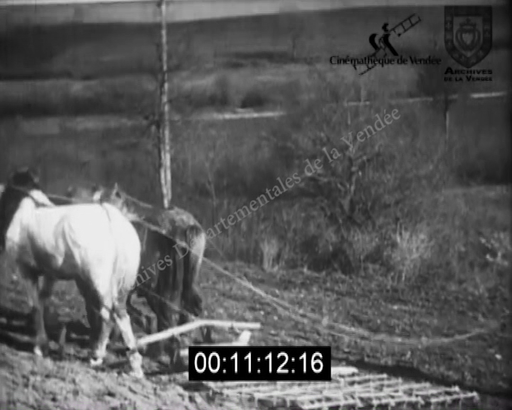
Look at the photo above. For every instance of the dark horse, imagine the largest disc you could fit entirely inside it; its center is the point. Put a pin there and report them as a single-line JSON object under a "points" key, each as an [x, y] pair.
{"points": [[170, 261]]}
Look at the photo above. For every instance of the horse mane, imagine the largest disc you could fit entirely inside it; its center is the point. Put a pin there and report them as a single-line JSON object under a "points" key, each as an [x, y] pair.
{"points": [[120, 202], [125, 210]]}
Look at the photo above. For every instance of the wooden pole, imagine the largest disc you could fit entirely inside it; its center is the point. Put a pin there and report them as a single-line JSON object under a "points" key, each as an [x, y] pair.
{"points": [[165, 137], [187, 327], [243, 340], [447, 116]]}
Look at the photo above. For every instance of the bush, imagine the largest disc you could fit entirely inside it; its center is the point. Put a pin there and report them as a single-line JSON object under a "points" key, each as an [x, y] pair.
{"points": [[253, 98], [479, 142], [412, 249], [359, 181], [215, 93]]}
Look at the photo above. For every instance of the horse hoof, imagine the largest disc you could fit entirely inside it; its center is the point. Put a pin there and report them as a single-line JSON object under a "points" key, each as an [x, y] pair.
{"points": [[116, 335], [177, 365], [95, 362], [42, 349], [138, 374]]}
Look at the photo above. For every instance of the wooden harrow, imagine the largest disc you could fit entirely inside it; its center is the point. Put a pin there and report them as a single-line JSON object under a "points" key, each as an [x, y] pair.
{"points": [[242, 340]]}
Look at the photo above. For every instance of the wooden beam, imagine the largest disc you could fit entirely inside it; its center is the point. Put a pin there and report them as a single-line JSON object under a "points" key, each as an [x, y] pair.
{"points": [[175, 331], [243, 340]]}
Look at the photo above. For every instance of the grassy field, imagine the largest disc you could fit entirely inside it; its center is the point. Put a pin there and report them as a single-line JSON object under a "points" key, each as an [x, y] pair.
{"points": [[430, 253], [88, 69]]}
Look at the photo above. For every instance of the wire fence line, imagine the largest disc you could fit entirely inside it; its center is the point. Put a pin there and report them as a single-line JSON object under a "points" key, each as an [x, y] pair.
{"points": [[249, 114], [111, 121]]}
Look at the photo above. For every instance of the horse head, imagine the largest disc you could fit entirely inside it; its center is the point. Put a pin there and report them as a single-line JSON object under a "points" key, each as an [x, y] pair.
{"points": [[114, 196], [117, 197], [22, 183], [25, 179], [98, 194], [87, 194], [26, 182]]}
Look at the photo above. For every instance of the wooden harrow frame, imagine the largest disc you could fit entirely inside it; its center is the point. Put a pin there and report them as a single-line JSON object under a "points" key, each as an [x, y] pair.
{"points": [[349, 389]]}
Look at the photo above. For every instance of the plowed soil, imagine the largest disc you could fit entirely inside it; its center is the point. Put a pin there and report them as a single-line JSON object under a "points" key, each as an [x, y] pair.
{"points": [[65, 380]]}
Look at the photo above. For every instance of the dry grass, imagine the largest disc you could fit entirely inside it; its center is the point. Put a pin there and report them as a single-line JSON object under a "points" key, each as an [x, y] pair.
{"points": [[412, 249], [269, 246]]}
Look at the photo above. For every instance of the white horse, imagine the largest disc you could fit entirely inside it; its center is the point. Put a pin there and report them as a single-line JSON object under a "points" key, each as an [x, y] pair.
{"points": [[92, 244]]}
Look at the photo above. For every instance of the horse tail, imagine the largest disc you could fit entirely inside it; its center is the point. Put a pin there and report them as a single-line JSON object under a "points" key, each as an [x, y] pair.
{"points": [[127, 252], [196, 241]]}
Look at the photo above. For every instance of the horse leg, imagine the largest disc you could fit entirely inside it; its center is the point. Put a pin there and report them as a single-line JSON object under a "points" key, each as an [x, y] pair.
{"points": [[91, 308], [137, 317], [206, 335], [159, 304], [194, 303], [155, 305], [106, 325], [45, 292], [165, 320], [135, 314], [123, 322], [196, 240], [116, 333], [38, 297]]}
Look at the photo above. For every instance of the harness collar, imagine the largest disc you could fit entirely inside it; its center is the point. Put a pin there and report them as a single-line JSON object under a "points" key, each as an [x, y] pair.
{"points": [[29, 194]]}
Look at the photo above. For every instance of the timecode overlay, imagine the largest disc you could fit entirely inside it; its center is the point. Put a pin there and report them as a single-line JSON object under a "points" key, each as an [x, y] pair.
{"points": [[259, 363]]}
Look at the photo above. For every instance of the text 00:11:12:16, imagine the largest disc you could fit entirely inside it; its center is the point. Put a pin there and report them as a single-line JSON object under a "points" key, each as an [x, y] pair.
{"points": [[258, 363]]}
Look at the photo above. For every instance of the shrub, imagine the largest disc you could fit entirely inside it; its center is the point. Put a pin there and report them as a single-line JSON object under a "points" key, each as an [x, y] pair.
{"points": [[215, 93], [254, 97], [412, 248]]}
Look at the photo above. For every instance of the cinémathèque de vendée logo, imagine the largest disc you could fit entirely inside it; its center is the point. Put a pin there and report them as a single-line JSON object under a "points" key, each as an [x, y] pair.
{"points": [[385, 53]]}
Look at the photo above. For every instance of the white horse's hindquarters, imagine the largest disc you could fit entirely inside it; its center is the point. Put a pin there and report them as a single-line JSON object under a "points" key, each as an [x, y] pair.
{"points": [[88, 237]]}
